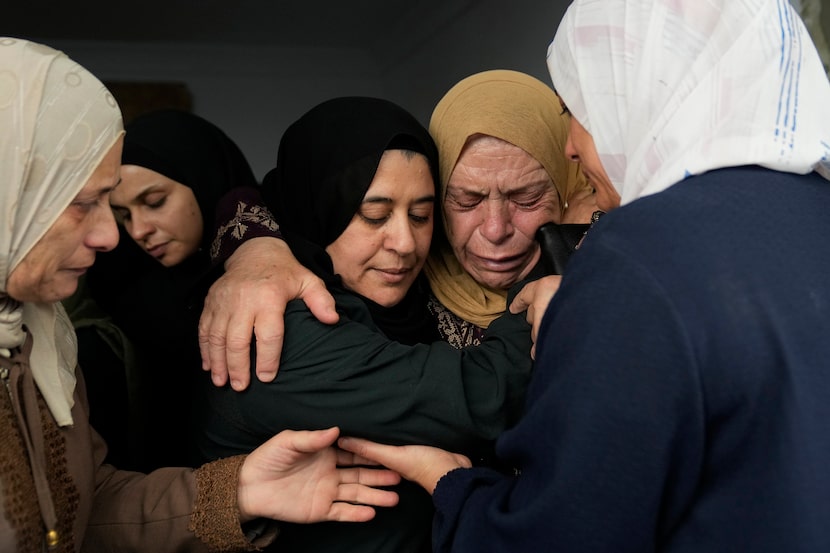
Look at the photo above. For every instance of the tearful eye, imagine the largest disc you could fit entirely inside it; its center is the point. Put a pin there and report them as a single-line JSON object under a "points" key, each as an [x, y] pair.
{"points": [[466, 201], [527, 204]]}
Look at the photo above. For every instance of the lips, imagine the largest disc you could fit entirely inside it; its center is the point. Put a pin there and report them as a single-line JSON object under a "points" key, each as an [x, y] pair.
{"points": [[78, 270], [501, 265], [394, 276], [157, 250]]}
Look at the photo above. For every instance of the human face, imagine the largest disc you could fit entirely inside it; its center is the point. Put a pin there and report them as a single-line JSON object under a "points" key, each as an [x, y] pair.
{"points": [[51, 269], [498, 196], [160, 214], [383, 249], [580, 148]]}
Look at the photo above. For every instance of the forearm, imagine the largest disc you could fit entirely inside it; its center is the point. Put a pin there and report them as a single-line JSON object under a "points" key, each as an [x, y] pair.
{"points": [[182, 508]]}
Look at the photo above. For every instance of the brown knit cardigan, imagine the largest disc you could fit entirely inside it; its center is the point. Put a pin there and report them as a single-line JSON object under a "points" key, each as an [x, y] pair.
{"points": [[97, 507]]}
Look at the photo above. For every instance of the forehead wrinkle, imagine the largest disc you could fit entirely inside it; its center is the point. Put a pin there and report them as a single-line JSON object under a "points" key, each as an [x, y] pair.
{"points": [[503, 182]]}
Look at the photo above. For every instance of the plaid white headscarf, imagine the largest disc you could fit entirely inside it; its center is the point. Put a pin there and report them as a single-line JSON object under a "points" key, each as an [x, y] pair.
{"points": [[672, 88]]}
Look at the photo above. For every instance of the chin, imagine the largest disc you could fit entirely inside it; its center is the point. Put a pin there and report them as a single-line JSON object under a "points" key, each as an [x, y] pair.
{"points": [[60, 292], [496, 281], [388, 299]]}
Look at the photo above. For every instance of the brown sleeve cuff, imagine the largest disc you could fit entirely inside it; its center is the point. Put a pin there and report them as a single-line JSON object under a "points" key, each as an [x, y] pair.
{"points": [[215, 519]]}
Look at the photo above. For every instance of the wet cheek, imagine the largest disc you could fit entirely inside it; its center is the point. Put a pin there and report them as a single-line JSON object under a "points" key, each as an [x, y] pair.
{"points": [[459, 229], [527, 223]]}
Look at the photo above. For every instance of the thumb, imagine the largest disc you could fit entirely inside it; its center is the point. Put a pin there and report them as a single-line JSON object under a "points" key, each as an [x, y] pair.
{"points": [[311, 441], [519, 303], [320, 302]]}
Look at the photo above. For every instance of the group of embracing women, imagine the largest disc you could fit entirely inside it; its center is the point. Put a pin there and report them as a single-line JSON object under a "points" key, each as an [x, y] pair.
{"points": [[666, 393]]}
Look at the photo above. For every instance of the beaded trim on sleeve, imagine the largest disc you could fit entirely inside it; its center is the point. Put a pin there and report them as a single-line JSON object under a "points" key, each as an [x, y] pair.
{"points": [[237, 227]]}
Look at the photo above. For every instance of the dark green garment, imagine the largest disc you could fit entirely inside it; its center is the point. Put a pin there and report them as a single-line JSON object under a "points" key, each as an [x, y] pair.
{"points": [[350, 375]]}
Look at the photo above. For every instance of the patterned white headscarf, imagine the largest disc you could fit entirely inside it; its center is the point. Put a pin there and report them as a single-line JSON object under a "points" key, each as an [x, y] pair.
{"points": [[57, 122], [672, 88]]}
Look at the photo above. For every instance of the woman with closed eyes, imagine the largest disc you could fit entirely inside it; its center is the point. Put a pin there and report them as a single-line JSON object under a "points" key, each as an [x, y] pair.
{"points": [[175, 168], [354, 190]]}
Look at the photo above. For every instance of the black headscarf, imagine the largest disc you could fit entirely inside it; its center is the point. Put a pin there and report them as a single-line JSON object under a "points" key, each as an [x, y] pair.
{"points": [[326, 162], [130, 285], [158, 307], [144, 298], [192, 151]]}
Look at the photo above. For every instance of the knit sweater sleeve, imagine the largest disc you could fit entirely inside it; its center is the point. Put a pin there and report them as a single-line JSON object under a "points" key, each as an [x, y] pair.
{"points": [[185, 509]]}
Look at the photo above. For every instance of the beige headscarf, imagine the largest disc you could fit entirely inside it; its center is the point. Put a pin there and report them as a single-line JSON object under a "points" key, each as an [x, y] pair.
{"points": [[519, 109], [58, 122]]}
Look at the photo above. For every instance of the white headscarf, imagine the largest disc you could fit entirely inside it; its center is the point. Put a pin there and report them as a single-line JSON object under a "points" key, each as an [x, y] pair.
{"points": [[57, 122], [672, 88]]}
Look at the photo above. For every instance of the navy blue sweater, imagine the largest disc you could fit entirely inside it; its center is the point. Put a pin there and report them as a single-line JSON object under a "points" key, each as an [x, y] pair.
{"points": [[681, 396]]}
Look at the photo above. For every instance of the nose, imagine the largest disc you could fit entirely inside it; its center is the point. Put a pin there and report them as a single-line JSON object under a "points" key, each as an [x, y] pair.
{"points": [[399, 237], [497, 225], [103, 236], [570, 151], [138, 226]]}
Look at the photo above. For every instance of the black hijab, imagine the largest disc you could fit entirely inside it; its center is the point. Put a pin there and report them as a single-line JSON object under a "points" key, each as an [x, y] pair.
{"points": [[145, 298], [326, 162], [192, 151], [156, 307]]}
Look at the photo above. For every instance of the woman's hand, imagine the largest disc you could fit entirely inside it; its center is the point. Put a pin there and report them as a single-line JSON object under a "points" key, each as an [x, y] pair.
{"points": [[422, 464], [535, 297], [260, 278], [297, 476]]}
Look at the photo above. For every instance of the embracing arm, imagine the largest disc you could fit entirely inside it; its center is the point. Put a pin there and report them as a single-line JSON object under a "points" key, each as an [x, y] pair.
{"points": [[261, 276], [352, 376]]}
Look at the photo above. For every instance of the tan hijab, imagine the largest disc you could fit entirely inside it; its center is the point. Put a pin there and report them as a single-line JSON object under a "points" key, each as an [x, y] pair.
{"points": [[519, 109], [58, 122]]}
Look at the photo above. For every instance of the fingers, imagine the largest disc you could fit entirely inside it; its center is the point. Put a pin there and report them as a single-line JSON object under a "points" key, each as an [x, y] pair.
{"points": [[365, 495], [363, 476], [378, 453], [522, 300], [233, 352], [345, 512], [212, 341], [311, 441], [205, 321], [348, 459], [354, 500], [319, 301], [269, 330]]}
